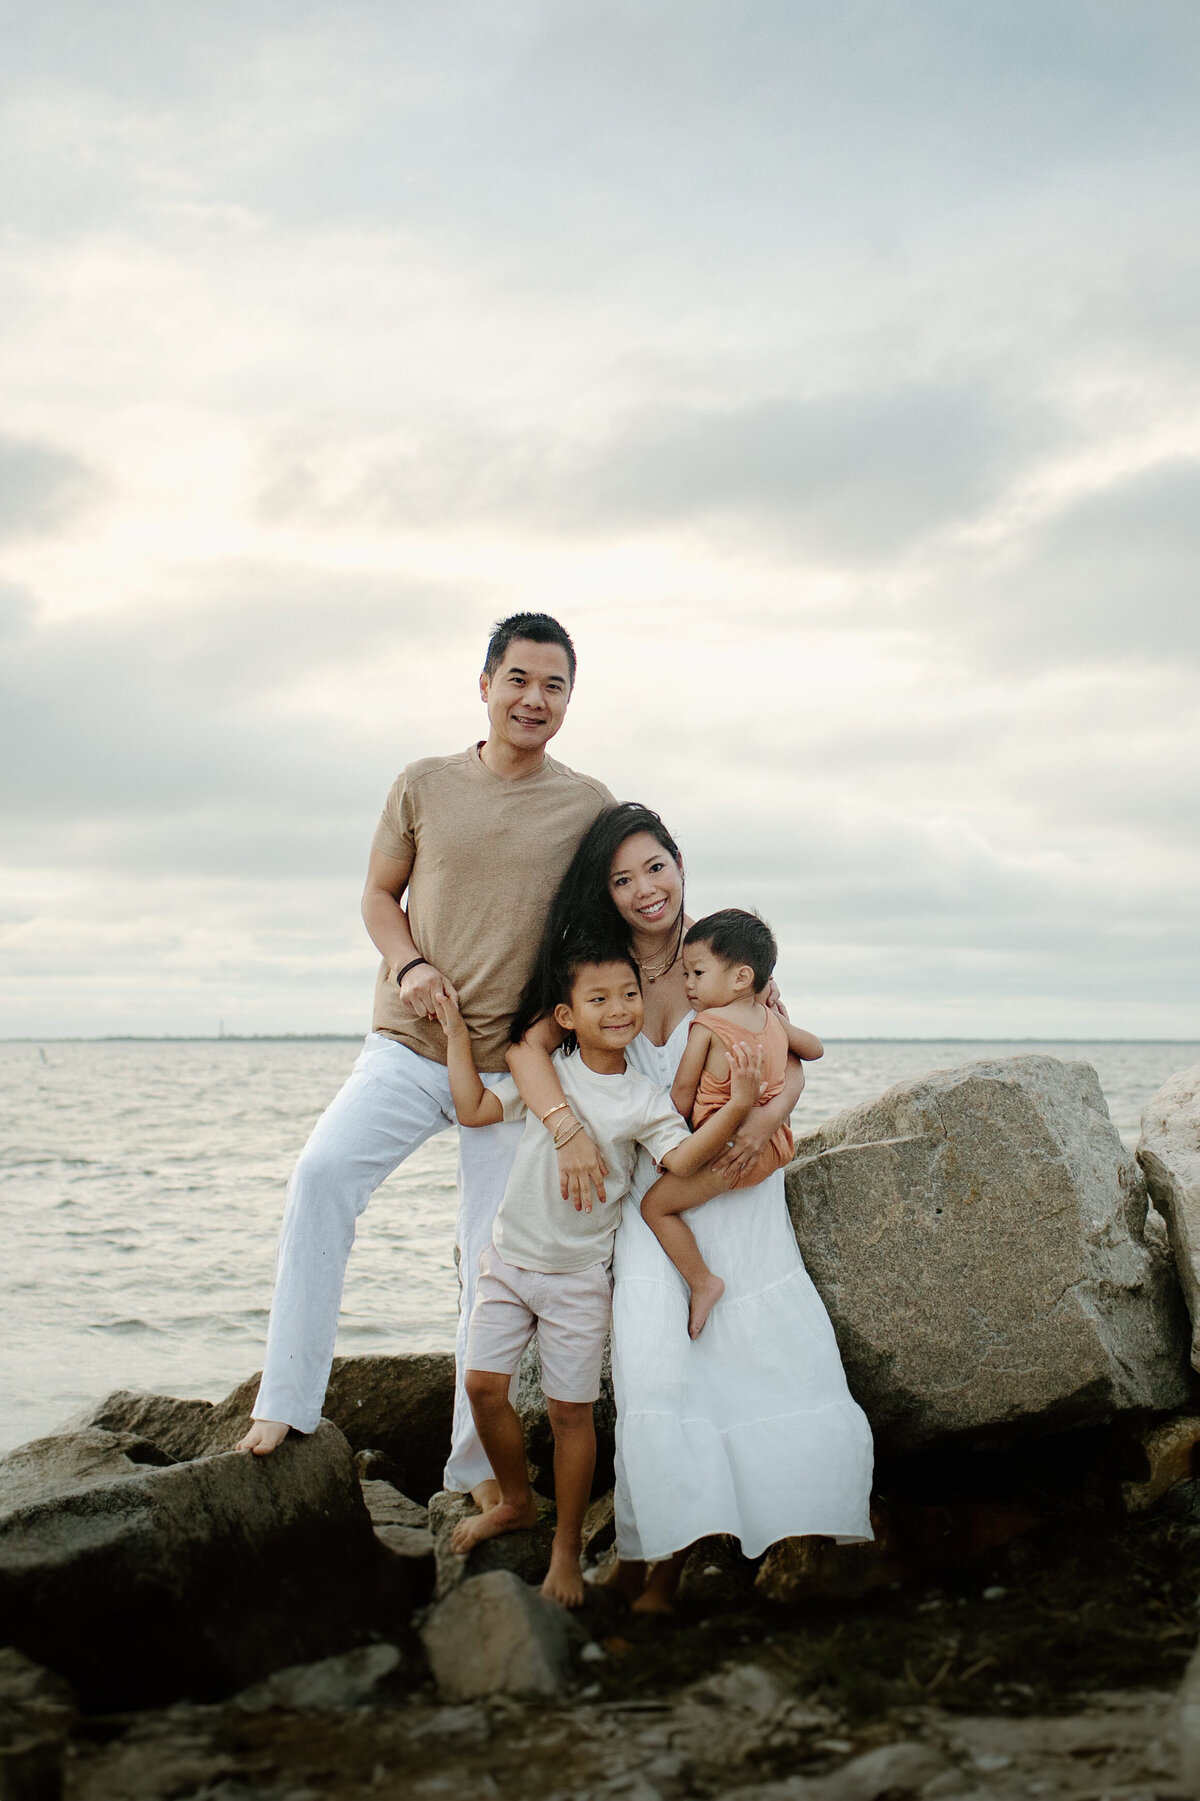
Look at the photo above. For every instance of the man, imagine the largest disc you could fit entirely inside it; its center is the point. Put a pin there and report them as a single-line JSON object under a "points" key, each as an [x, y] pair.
{"points": [[475, 843]]}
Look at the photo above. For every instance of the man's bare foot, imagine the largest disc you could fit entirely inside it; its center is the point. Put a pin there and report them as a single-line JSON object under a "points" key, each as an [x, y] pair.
{"points": [[486, 1494], [564, 1580], [505, 1516], [623, 1576], [705, 1296], [263, 1437]]}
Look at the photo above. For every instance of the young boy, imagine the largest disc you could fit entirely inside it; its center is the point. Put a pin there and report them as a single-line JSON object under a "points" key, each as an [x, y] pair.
{"points": [[728, 960], [547, 1267]]}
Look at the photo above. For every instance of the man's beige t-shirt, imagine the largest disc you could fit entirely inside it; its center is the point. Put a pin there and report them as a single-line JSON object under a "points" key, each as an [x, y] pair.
{"points": [[487, 855]]}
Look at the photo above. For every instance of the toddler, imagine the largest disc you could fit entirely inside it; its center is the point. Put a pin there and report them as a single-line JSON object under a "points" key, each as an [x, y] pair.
{"points": [[728, 960], [547, 1267]]}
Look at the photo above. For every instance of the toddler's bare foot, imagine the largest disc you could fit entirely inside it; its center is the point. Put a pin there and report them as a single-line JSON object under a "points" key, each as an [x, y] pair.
{"points": [[485, 1494], [564, 1580], [263, 1437], [705, 1296], [505, 1516]]}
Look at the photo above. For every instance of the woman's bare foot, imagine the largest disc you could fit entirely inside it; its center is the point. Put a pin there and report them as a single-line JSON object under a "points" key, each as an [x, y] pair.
{"points": [[505, 1516], [263, 1437], [658, 1595], [705, 1296], [564, 1580], [623, 1576]]}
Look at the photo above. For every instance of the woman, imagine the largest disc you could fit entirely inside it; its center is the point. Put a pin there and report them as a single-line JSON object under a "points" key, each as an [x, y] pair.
{"points": [[750, 1428]]}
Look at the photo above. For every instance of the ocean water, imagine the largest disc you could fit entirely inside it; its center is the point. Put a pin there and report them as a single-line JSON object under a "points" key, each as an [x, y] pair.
{"points": [[141, 1187]]}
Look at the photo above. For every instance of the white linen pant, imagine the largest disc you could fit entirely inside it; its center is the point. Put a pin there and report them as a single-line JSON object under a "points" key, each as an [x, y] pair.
{"points": [[392, 1101]]}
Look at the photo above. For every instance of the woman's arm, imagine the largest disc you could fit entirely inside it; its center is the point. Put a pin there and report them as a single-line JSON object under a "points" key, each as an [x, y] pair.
{"points": [[753, 1136], [581, 1168], [801, 1043], [745, 1086], [691, 1068]]}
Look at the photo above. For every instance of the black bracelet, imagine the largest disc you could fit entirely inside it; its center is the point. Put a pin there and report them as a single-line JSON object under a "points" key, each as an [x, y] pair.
{"points": [[401, 973]]}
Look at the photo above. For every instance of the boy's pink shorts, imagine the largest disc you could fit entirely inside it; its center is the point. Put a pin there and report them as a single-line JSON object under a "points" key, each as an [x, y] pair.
{"points": [[570, 1312]]}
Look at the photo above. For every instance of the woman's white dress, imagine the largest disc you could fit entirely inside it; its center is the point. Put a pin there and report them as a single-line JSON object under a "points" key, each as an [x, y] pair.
{"points": [[749, 1429]]}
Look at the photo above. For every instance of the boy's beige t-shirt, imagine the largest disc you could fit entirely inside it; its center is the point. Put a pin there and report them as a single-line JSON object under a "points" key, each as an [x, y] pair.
{"points": [[535, 1228], [487, 855]]}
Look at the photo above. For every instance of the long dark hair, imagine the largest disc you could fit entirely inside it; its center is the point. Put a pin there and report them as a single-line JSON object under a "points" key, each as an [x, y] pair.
{"points": [[582, 913]]}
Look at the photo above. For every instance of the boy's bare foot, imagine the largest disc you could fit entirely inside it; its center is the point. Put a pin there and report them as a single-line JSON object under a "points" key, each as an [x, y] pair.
{"points": [[505, 1516], [705, 1296], [263, 1437], [485, 1494], [564, 1580]]}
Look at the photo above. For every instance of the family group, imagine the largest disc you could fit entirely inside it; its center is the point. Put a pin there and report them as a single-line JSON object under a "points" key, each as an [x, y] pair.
{"points": [[622, 1077]]}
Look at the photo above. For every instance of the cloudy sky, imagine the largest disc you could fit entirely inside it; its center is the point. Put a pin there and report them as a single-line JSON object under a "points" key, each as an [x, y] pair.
{"points": [[831, 369]]}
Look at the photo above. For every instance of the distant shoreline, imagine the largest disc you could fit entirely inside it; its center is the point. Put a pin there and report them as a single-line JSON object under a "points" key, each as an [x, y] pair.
{"points": [[356, 1038]]}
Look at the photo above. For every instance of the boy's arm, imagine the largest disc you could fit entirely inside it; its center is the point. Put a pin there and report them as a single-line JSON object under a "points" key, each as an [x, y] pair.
{"points": [[745, 1086], [691, 1068], [473, 1103], [581, 1168]]}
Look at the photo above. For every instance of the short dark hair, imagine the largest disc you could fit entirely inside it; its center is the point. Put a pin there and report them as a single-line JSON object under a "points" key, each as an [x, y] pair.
{"points": [[737, 936], [538, 628]]}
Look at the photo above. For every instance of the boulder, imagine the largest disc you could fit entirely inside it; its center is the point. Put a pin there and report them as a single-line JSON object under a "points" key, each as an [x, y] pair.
{"points": [[67, 1461], [494, 1635], [398, 1407], [388, 1507], [151, 1583], [372, 1673], [978, 1237], [37, 1712], [176, 1427], [525, 1554], [1169, 1153]]}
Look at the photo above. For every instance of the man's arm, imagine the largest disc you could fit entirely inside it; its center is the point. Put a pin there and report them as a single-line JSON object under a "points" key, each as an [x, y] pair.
{"points": [[474, 1104], [387, 923], [691, 1068]]}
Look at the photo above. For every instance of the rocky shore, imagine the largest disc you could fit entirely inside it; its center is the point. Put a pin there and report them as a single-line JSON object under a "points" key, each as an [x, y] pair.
{"points": [[1014, 1296]]}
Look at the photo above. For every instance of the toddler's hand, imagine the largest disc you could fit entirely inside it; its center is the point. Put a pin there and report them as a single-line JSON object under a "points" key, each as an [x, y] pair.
{"points": [[746, 1082]]}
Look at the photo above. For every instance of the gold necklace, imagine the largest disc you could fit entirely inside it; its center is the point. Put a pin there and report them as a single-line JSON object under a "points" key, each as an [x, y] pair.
{"points": [[652, 975]]}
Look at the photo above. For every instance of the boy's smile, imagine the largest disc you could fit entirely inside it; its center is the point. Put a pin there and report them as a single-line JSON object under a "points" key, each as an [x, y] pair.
{"points": [[605, 1014]]}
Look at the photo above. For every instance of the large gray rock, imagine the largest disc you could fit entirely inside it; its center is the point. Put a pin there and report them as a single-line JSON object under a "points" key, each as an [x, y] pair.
{"points": [[146, 1583], [401, 1406], [1169, 1153], [73, 1460], [357, 1678], [496, 1636], [978, 1236]]}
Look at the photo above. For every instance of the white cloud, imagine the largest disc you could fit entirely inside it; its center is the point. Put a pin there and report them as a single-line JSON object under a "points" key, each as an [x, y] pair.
{"points": [[830, 371]]}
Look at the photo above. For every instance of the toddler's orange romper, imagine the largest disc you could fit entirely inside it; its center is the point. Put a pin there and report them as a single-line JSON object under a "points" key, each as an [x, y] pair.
{"points": [[711, 1094]]}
